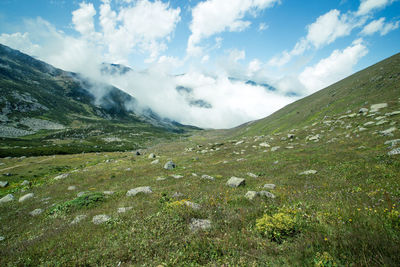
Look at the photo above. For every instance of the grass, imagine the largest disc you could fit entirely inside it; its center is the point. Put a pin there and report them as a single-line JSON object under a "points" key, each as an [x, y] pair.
{"points": [[347, 214]]}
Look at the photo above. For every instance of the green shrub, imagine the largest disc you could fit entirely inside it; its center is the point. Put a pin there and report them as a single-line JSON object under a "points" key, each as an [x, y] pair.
{"points": [[324, 260], [86, 201]]}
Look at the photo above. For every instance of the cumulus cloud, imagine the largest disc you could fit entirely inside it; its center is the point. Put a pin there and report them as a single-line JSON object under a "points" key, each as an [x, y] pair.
{"points": [[82, 19], [380, 26], [20, 41], [325, 30], [333, 68], [262, 27], [367, 6], [215, 16]]}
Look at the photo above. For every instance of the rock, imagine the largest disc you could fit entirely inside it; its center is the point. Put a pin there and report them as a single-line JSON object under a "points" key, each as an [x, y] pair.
{"points": [[137, 153], [362, 129], [177, 176], [7, 198], [369, 123], [377, 107], [395, 151], [61, 176], [314, 138], [128, 169], [71, 187], [81, 193], [124, 209], [352, 115], [161, 179], [108, 193], [194, 174], [239, 143], [290, 136], [392, 143], [3, 184], [2, 238], [363, 111], [393, 113], [137, 190], [308, 172], [152, 156], [380, 118], [266, 194], [381, 122], [252, 175], [169, 165], [269, 186], [250, 195], [25, 183], [26, 197], [207, 177], [36, 212], [276, 162], [199, 224], [156, 161], [264, 145], [177, 195], [102, 218], [235, 182], [275, 148], [192, 205], [388, 132], [78, 218]]}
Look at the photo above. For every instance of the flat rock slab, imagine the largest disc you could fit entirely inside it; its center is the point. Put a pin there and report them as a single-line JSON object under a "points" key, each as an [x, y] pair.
{"points": [[199, 224], [124, 209], [392, 143], [236, 182], [155, 161], [78, 219], [252, 175], [25, 182], [250, 195], [207, 177], [388, 132], [192, 205], [169, 165], [7, 198], [26, 197], [36, 212], [177, 176], [395, 151], [3, 184], [108, 193], [71, 187], [152, 156], [377, 107], [137, 190], [61, 176], [99, 219], [266, 194], [269, 186], [308, 172]]}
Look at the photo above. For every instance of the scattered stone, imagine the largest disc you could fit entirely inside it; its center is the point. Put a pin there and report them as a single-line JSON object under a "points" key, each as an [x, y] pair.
{"points": [[2, 238], [269, 186], [314, 138], [239, 143], [177, 195], [252, 175], [128, 169], [36, 212], [26, 197], [235, 182], [192, 205], [194, 174], [152, 156], [266, 194], [388, 132], [275, 148], [137, 190], [362, 129], [61, 176], [3, 184], [161, 179], [392, 143], [169, 165], [137, 153], [393, 113], [81, 193], [352, 115], [124, 209], [177, 176], [289, 147], [395, 151], [241, 159], [377, 107], [7, 198], [207, 177], [199, 224], [250, 195], [380, 118], [156, 161], [276, 162], [290, 136], [108, 193], [381, 122], [71, 187], [308, 172], [369, 123], [264, 145], [363, 111], [102, 218], [78, 219]]}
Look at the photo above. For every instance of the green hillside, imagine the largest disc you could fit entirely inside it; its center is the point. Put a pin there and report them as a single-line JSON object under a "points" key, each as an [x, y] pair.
{"points": [[321, 188]]}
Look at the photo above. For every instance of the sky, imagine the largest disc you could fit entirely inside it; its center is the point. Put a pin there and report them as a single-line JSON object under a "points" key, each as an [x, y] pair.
{"points": [[210, 47]]}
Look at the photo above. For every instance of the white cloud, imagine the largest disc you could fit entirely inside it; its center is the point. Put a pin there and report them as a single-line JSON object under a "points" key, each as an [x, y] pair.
{"points": [[380, 26], [262, 27], [325, 30], [82, 19], [254, 67], [215, 16], [19, 41], [367, 6], [333, 68]]}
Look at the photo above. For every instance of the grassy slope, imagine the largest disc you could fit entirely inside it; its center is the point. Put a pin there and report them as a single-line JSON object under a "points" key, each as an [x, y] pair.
{"points": [[346, 213]]}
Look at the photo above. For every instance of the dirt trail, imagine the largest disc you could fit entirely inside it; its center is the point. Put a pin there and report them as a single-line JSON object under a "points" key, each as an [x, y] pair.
{"points": [[21, 165]]}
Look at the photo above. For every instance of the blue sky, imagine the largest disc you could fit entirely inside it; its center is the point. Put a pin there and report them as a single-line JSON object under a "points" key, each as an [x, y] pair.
{"points": [[298, 47]]}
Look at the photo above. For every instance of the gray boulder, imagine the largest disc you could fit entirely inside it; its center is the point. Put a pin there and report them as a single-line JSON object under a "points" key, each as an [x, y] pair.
{"points": [[26, 197], [388, 132], [266, 194], [7, 198], [36, 212], [124, 209], [152, 156], [3, 184], [25, 183], [192, 205], [177, 176], [392, 143], [61, 176], [395, 151], [235, 182], [363, 111], [207, 177], [199, 224], [250, 195], [78, 219], [308, 172], [71, 187], [2, 238], [156, 161], [177, 195], [81, 193], [108, 193], [169, 165], [99, 219], [252, 175], [137, 190], [269, 186], [377, 107]]}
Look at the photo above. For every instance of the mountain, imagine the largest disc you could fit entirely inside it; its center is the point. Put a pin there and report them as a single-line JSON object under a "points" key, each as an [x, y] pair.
{"points": [[42, 102]]}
